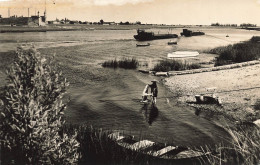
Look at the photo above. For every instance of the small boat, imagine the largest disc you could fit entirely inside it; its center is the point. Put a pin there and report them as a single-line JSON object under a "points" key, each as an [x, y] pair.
{"points": [[172, 43], [139, 45], [182, 54], [158, 150]]}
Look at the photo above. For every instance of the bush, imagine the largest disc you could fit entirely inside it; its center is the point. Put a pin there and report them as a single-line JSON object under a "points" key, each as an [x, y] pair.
{"points": [[257, 104], [32, 114], [170, 65], [255, 39], [240, 52], [124, 63]]}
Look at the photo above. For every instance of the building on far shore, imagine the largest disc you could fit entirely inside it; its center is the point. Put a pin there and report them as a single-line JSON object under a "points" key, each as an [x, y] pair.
{"points": [[35, 20]]}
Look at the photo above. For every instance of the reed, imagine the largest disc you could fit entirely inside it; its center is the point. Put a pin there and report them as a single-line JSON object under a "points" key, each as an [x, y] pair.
{"points": [[240, 52], [174, 65], [125, 63], [245, 147]]}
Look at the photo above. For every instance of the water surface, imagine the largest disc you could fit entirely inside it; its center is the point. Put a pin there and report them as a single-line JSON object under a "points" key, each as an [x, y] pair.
{"points": [[110, 99]]}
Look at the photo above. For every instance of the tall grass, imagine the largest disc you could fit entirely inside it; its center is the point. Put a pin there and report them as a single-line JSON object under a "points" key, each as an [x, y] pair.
{"points": [[240, 52], [125, 63], [245, 149], [174, 65]]}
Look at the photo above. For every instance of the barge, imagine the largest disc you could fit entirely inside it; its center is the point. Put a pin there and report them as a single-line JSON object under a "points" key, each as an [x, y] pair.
{"points": [[189, 33], [142, 35]]}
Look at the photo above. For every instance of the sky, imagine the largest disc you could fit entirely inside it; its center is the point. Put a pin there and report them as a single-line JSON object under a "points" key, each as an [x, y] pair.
{"points": [[185, 12]]}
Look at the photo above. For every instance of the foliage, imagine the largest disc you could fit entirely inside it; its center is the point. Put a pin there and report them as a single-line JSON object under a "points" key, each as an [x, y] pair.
{"points": [[257, 104], [245, 148], [170, 65], [32, 114], [240, 52], [125, 63]]}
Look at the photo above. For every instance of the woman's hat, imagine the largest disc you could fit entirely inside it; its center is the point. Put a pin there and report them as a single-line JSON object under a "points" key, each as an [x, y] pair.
{"points": [[154, 80]]}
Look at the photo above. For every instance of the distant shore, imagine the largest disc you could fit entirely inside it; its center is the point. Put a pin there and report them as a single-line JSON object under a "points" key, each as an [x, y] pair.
{"points": [[83, 27], [21, 29]]}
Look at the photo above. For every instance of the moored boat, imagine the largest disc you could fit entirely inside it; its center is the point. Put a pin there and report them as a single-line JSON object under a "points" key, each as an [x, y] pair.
{"points": [[189, 33], [158, 150], [146, 36], [147, 44], [182, 54], [172, 43]]}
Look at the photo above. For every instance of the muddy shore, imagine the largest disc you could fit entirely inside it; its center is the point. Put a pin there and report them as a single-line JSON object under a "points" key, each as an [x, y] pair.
{"points": [[237, 88]]}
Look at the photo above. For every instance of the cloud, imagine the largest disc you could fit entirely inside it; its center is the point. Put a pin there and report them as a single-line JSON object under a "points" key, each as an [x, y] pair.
{"points": [[117, 2]]}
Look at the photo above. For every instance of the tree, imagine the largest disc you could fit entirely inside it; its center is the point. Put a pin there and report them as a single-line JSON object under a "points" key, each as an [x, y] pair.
{"points": [[101, 21], [32, 114]]}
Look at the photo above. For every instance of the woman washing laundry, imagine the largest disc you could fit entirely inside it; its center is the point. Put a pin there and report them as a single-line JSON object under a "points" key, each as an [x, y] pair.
{"points": [[146, 93], [154, 91]]}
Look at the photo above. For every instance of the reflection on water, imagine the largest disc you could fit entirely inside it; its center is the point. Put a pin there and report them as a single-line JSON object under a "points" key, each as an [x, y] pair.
{"points": [[150, 112]]}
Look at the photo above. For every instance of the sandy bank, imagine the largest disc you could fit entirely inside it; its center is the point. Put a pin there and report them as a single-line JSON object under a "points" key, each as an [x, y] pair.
{"points": [[238, 89]]}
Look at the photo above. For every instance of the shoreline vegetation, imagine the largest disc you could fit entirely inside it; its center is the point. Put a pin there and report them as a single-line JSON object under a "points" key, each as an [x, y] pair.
{"points": [[125, 63], [174, 65], [83, 27], [78, 27], [94, 144], [237, 53]]}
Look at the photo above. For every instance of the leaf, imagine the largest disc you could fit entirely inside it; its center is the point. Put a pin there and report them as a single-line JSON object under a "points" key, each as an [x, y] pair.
{"points": [[2, 114]]}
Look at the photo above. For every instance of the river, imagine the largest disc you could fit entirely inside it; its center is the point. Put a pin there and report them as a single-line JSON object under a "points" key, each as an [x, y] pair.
{"points": [[110, 98]]}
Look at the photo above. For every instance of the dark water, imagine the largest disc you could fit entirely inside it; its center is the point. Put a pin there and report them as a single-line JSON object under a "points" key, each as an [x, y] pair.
{"points": [[110, 99]]}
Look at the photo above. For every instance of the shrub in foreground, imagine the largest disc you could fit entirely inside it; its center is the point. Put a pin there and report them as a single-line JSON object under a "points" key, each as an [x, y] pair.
{"points": [[32, 114], [174, 65], [125, 63]]}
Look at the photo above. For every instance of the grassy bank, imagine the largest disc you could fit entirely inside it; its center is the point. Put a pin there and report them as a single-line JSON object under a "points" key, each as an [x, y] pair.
{"points": [[240, 52], [125, 63], [174, 65]]}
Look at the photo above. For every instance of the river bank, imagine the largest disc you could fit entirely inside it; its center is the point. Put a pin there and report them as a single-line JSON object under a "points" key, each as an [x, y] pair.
{"points": [[86, 27], [78, 27], [237, 88]]}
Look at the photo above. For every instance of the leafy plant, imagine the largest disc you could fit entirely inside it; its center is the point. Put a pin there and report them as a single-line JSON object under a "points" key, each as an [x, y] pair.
{"points": [[32, 114]]}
